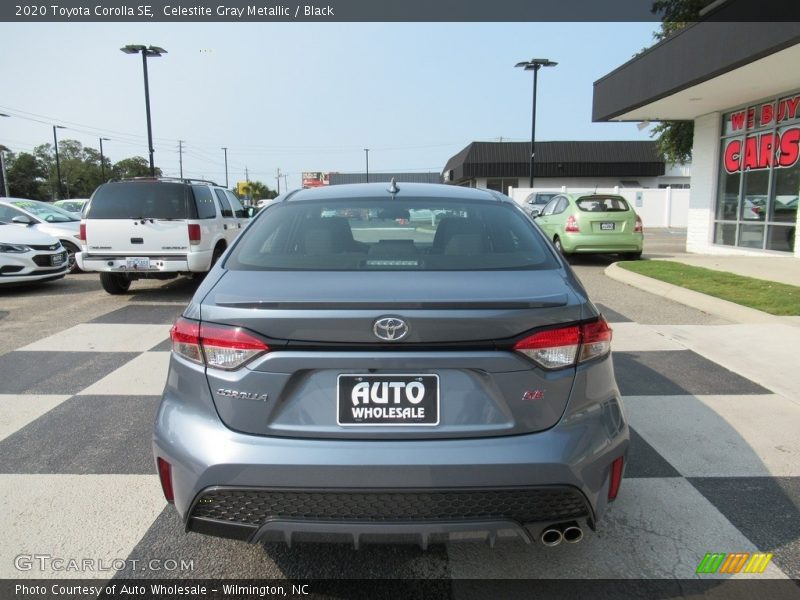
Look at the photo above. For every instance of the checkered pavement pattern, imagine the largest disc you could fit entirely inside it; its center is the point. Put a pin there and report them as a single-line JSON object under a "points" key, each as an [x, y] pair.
{"points": [[714, 467]]}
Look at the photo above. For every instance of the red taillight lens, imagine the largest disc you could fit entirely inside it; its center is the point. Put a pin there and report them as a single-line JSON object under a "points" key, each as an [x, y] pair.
{"points": [[165, 475], [229, 347], [637, 228], [552, 349], [558, 348], [194, 234], [616, 478], [217, 346], [82, 231], [596, 339], [185, 336], [572, 225]]}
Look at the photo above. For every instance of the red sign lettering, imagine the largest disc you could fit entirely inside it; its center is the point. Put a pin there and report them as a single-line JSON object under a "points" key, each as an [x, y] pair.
{"points": [[767, 112], [737, 120], [787, 108], [751, 117], [790, 147], [763, 151]]}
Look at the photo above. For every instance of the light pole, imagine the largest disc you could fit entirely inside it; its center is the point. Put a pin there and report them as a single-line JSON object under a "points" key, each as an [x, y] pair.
{"points": [[3, 163], [534, 65], [366, 151], [58, 163], [146, 51], [103, 159], [225, 150]]}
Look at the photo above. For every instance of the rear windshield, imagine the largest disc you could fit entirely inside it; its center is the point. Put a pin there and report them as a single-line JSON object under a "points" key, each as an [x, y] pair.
{"points": [[602, 204], [381, 235], [141, 199]]}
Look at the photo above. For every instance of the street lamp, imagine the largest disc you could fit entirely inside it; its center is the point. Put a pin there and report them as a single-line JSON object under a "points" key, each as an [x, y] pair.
{"points": [[58, 163], [534, 65], [3, 163], [102, 159], [225, 150], [366, 150], [146, 51]]}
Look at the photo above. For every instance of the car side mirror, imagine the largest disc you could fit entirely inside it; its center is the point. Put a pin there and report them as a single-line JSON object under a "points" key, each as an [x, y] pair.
{"points": [[22, 220], [251, 212]]}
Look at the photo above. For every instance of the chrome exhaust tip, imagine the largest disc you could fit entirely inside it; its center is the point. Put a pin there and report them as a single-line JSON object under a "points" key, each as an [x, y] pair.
{"points": [[551, 537], [572, 533]]}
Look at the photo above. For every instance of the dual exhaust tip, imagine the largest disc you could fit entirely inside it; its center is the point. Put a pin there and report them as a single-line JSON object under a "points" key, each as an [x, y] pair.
{"points": [[570, 533]]}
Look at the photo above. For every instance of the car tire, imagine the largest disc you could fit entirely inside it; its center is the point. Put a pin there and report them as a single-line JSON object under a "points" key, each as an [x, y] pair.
{"points": [[559, 247], [219, 249], [631, 255], [114, 283], [71, 250]]}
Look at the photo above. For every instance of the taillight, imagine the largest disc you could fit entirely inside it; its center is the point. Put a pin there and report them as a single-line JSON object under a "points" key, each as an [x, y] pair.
{"points": [[82, 231], [637, 228], [194, 234], [216, 346], [558, 348], [616, 478], [572, 225], [165, 475]]}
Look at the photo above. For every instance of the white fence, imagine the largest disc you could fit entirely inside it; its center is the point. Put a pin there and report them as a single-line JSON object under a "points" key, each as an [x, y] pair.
{"points": [[657, 207]]}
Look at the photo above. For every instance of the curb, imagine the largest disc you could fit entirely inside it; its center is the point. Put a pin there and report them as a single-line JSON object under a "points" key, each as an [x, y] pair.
{"points": [[715, 306]]}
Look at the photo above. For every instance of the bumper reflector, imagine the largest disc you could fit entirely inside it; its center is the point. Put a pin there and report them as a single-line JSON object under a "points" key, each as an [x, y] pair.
{"points": [[165, 475], [616, 478]]}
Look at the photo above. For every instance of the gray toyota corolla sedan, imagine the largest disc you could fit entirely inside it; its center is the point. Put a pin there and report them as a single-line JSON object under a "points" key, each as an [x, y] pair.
{"points": [[404, 362]]}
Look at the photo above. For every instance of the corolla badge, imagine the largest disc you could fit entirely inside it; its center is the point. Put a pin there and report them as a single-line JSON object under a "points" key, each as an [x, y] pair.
{"points": [[390, 329]]}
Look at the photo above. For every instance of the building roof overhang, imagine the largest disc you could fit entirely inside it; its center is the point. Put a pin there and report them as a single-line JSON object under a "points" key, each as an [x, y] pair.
{"points": [[706, 67]]}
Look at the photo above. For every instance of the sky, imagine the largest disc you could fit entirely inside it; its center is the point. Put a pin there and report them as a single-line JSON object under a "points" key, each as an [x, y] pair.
{"points": [[307, 96]]}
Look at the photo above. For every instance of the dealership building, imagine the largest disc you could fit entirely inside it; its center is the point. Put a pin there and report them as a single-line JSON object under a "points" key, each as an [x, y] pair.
{"points": [[740, 84]]}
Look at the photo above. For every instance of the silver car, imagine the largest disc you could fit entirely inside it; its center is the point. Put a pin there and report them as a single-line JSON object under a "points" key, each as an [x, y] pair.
{"points": [[401, 362]]}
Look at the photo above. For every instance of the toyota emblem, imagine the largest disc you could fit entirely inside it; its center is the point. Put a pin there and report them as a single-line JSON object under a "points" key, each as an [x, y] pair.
{"points": [[390, 329]]}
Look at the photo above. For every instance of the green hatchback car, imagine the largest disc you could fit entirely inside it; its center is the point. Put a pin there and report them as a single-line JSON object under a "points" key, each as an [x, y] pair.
{"points": [[593, 224]]}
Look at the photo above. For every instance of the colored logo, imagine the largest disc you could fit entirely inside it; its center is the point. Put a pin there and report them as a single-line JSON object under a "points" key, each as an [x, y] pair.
{"points": [[737, 562]]}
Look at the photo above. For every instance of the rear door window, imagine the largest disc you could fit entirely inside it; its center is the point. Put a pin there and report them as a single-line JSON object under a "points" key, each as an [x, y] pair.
{"points": [[204, 200], [238, 209], [140, 200], [224, 206]]}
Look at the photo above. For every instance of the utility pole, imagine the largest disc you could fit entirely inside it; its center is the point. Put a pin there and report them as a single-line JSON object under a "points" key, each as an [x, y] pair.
{"points": [[286, 183], [246, 176], [278, 179], [180, 156], [3, 169], [224, 149], [366, 150], [103, 160]]}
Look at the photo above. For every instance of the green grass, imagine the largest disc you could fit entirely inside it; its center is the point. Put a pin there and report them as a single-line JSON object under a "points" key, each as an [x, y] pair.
{"points": [[768, 296]]}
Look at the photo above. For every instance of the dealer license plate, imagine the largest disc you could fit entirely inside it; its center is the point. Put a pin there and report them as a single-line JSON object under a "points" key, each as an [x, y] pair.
{"points": [[393, 400], [56, 260], [137, 263], [607, 226]]}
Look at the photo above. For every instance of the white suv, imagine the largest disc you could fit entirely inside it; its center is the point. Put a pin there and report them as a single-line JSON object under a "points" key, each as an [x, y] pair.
{"points": [[157, 228]]}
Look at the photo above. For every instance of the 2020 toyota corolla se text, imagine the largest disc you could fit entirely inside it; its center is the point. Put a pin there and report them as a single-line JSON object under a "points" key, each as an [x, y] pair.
{"points": [[403, 361]]}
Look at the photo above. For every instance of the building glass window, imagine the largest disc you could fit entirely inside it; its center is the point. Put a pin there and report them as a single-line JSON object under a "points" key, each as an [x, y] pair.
{"points": [[759, 180]]}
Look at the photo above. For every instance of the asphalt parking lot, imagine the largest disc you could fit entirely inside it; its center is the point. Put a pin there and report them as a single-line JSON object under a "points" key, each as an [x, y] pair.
{"points": [[715, 457]]}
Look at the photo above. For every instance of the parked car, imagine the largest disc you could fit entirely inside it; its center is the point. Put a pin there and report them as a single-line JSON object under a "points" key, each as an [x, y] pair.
{"points": [[536, 201], [28, 255], [73, 206], [45, 218], [157, 228], [343, 377], [591, 224]]}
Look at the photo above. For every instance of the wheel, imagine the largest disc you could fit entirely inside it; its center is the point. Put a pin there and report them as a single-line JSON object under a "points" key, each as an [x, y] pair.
{"points": [[631, 255], [71, 250], [114, 283], [218, 251], [559, 247]]}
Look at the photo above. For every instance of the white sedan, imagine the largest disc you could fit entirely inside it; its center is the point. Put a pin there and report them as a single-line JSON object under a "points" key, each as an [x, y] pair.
{"points": [[28, 256]]}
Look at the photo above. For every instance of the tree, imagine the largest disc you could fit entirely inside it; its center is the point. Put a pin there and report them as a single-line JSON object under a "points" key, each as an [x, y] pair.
{"points": [[259, 191], [674, 139], [26, 176], [136, 166]]}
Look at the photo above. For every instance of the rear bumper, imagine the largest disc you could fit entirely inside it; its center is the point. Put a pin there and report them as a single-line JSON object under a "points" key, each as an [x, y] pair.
{"points": [[194, 262], [602, 243], [258, 488]]}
